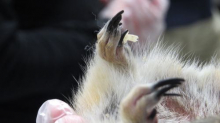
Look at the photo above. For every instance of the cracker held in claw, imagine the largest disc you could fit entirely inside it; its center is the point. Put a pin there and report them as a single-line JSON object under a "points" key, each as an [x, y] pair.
{"points": [[130, 37]]}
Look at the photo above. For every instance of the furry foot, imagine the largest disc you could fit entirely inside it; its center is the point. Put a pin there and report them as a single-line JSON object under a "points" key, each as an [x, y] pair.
{"points": [[139, 105], [110, 42]]}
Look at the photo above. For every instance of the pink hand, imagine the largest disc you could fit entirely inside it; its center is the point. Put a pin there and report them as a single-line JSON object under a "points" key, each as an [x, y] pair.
{"points": [[56, 111]]}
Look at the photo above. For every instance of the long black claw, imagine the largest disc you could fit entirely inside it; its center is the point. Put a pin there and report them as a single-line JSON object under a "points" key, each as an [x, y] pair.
{"points": [[153, 114], [171, 94], [114, 22], [173, 81], [162, 91], [122, 38]]}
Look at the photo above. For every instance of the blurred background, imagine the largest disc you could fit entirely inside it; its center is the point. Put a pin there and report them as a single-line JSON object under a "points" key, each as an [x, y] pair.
{"points": [[43, 43]]}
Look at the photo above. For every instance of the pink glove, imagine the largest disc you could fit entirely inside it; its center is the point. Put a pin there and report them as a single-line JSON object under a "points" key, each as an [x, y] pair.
{"points": [[144, 18], [56, 111]]}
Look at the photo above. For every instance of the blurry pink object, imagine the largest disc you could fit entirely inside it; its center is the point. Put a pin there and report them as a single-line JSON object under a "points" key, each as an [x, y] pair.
{"points": [[56, 111], [144, 18]]}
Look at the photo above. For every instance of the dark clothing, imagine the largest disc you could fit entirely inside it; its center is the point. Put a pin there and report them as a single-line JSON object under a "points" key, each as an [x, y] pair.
{"points": [[185, 12], [41, 47]]}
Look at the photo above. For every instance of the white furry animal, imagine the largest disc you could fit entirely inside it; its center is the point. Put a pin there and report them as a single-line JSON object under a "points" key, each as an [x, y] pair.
{"points": [[122, 86]]}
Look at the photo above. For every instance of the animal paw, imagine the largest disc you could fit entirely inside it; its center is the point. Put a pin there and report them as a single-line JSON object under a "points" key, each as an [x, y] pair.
{"points": [[139, 105], [110, 42]]}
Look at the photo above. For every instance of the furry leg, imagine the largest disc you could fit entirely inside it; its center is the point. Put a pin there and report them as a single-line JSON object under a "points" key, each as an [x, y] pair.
{"points": [[111, 56], [139, 105]]}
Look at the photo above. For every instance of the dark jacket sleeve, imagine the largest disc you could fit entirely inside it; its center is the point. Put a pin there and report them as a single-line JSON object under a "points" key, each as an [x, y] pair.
{"points": [[41, 63]]}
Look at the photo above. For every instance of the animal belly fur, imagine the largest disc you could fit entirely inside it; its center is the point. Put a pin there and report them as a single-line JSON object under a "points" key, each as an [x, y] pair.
{"points": [[114, 70]]}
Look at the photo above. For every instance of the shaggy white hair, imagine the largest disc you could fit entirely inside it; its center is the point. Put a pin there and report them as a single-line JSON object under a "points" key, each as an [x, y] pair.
{"points": [[106, 84]]}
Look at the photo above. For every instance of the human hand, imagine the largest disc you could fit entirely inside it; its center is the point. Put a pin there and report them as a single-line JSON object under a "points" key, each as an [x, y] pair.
{"points": [[56, 111], [144, 18]]}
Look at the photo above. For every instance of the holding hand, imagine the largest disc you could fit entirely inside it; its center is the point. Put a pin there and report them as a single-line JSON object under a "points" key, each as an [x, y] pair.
{"points": [[56, 111]]}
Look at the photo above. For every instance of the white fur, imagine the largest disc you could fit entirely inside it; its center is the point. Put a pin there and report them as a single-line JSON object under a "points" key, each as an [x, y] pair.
{"points": [[200, 90]]}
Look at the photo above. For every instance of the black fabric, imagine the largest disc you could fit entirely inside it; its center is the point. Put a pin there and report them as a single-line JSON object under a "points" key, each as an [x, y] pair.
{"points": [[36, 13], [185, 12], [42, 44]]}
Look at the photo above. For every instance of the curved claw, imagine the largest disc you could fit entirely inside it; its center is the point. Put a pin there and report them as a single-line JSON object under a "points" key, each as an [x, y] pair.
{"points": [[164, 90], [122, 38], [171, 94], [114, 22], [173, 81], [153, 114]]}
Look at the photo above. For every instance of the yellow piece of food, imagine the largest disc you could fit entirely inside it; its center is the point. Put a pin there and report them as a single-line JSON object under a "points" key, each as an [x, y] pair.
{"points": [[130, 37]]}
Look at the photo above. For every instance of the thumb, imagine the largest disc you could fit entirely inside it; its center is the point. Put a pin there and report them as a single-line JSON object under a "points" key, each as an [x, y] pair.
{"points": [[53, 110]]}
